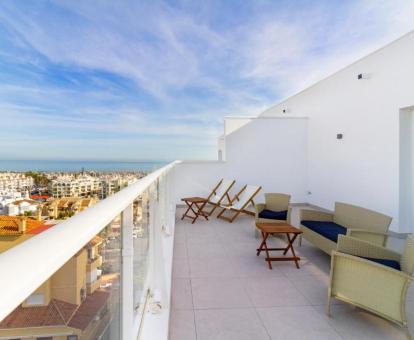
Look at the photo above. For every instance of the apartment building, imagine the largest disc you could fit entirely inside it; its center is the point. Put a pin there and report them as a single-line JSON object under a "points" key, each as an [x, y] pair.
{"points": [[15, 181], [70, 304], [70, 186], [112, 185], [65, 207], [100, 186]]}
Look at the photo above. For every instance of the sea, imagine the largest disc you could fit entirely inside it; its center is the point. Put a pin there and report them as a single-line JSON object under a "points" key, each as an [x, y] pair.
{"points": [[74, 166]]}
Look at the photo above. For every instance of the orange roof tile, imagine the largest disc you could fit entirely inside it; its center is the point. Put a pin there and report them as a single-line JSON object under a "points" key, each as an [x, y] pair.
{"points": [[40, 229], [97, 240], [35, 197], [9, 225]]}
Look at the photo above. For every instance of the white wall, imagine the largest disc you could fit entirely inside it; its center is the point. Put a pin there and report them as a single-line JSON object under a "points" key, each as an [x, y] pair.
{"points": [[232, 124], [197, 178], [363, 168], [271, 153], [406, 221], [221, 148]]}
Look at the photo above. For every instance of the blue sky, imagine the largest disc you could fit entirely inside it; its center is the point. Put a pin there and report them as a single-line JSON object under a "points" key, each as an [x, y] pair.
{"points": [[152, 80]]}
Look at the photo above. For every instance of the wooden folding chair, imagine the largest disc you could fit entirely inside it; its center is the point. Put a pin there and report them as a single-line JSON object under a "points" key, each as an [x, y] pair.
{"points": [[219, 194], [240, 202]]}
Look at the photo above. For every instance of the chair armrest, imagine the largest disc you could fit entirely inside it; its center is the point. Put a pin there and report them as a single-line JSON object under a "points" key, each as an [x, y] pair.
{"points": [[314, 215], [258, 208], [289, 214], [375, 237], [357, 247], [367, 265]]}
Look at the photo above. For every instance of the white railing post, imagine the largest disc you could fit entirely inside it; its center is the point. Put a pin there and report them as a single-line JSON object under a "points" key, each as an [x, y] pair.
{"points": [[127, 274]]}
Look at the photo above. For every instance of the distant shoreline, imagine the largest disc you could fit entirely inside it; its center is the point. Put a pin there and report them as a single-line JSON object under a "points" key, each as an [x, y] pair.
{"points": [[74, 165]]}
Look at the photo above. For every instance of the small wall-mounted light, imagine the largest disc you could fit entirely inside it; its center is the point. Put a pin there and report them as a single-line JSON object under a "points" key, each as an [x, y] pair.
{"points": [[364, 76], [339, 136]]}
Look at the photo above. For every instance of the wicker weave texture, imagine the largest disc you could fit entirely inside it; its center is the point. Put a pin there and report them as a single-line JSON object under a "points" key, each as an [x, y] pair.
{"points": [[353, 246], [407, 258], [370, 286]]}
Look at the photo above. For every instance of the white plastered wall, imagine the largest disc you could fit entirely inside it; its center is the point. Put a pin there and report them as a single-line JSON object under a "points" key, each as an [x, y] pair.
{"points": [[266, 152], [363, 168]]}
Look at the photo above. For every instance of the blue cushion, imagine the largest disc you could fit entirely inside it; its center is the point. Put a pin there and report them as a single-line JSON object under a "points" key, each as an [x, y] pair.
{"points": [[273, 215], [330, 230], [389, 263]]}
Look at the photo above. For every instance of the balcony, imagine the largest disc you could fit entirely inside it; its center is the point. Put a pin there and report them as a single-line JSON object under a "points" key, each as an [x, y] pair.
{"points": [[94, 263], [93, 286], [183, 280], [163, 277], [222, 290]]}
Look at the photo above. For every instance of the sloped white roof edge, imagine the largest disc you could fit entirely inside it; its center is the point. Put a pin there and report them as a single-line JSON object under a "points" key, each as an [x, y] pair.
{"points": [[340, 70]]}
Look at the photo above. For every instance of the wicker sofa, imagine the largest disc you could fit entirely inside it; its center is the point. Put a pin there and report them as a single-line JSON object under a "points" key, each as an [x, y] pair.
{"points": [[372, 277], [322, 229]]}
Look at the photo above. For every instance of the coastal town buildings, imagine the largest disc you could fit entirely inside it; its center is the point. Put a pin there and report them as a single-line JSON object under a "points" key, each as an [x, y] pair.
{"points": [[15, 181], [70, 186], [17, 229], [61, 208], [7, 197], [114, 184], [25, 206], [85, 185], [17, 203]]}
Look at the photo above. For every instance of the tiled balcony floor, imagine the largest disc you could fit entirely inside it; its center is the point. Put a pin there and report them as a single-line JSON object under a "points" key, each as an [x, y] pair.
{"points": [[222, 290]]}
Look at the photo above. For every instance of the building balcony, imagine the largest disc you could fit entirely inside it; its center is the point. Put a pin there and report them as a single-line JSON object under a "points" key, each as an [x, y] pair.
{"points": [[93, 286], [94, 263]]}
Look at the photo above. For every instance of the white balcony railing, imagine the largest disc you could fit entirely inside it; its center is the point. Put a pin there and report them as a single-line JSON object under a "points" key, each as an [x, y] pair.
{"points": [[136, 224]]}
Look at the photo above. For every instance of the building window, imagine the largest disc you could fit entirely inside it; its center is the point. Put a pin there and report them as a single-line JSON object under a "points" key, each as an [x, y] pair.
{"points": [[45, 338], [35, 299], [72, 337]]}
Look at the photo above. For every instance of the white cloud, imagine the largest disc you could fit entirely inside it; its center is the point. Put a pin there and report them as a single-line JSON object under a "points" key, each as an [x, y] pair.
{"points": [[197, 70]]}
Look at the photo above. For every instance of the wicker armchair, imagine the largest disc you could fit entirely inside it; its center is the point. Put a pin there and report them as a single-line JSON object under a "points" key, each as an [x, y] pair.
{"points": [[274, 202], [355, 277]]}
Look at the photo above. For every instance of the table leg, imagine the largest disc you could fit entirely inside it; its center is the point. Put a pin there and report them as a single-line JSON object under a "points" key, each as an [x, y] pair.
{"points": [[267, 251], [259, 250], [291, 240], [290, 243]]}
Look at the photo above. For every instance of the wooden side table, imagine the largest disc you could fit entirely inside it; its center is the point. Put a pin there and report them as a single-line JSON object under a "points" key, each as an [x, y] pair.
{"points": [[195, 205], [278, 228]]}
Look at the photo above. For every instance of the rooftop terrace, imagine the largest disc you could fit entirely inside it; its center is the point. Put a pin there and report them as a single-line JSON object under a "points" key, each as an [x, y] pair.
{"points": [[222, 290], [345, 139]]}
